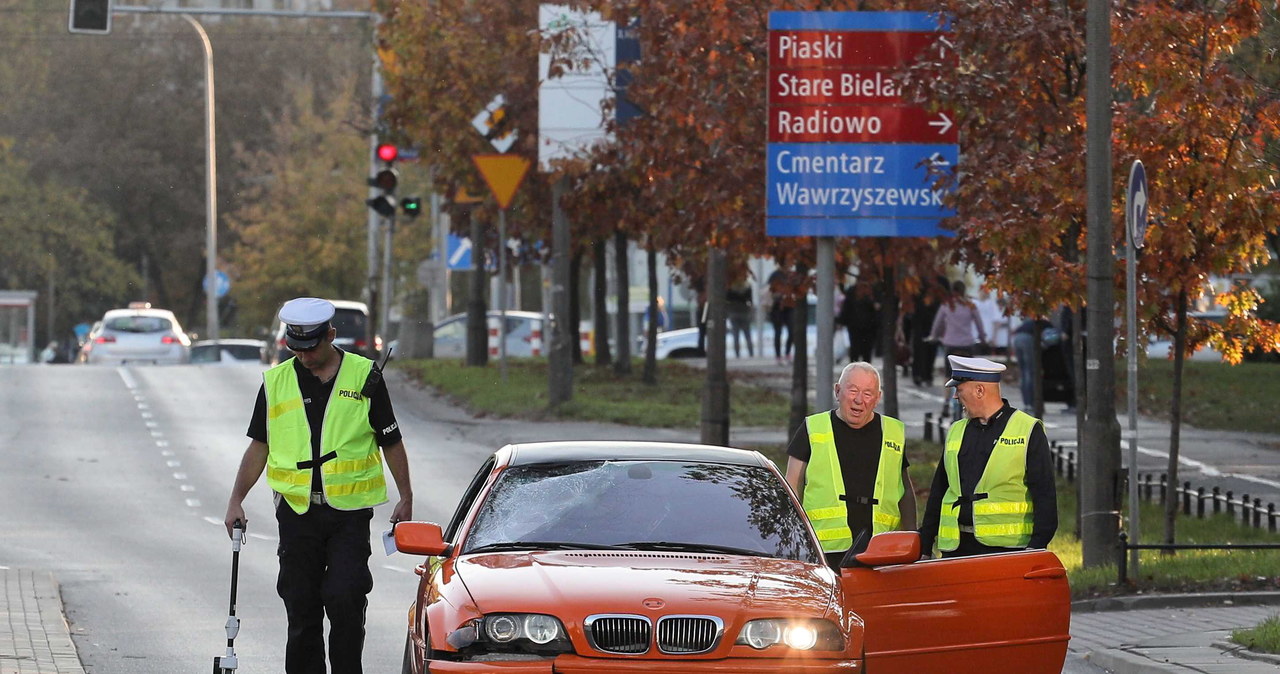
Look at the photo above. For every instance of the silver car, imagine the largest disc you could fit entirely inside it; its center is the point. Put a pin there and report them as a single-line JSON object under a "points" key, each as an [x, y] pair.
{"points": [[138, 334], [524, 335]]}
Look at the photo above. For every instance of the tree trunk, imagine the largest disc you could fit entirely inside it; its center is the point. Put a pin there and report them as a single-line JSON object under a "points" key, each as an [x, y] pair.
{"points": [[599, 306], [622, 364], [800, 364], [560, 357], [715, 398], [651, 329], [575, 304], [477, 308], [1175, 421]]}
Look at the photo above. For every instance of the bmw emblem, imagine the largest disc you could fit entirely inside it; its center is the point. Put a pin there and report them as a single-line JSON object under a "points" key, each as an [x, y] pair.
{"points": [[653, 603]]}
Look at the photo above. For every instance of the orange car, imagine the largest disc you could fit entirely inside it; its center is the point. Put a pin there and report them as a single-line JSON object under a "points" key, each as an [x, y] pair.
{"points": [[658, 557]]}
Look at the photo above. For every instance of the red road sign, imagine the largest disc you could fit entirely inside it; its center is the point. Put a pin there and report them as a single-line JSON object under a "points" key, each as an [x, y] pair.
{"points": [[859, 124], [846, 49]]}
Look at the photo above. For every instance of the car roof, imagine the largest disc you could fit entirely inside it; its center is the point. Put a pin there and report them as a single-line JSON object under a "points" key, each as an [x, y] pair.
{"points": [[162, 313], [350, 305], [494, 313], [523, 454], [218, 342]]}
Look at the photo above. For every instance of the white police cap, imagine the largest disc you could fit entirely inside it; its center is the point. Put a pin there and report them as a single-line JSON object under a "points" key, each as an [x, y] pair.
{"points": [[964, 369], [306, 320]]}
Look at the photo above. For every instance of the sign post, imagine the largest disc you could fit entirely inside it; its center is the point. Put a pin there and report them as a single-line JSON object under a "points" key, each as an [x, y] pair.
{"points": [[1135, 220], [503, 173]]}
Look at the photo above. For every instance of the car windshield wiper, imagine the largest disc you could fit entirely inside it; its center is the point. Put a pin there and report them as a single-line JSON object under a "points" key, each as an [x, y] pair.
{"points": [[541, 545], [693, 547]]}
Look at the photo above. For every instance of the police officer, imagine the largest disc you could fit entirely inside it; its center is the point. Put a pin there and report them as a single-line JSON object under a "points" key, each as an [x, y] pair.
{"points": [[321, 428], [849, 467], [993, 490]]}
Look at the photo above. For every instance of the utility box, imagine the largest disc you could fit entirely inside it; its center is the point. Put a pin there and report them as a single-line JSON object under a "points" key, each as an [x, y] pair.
{"points": [[17, 326]]}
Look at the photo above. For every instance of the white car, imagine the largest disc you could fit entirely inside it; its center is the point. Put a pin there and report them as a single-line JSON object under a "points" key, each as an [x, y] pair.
{"points": [[138, 334], [524, 335], [227, 352], [683, 343]]}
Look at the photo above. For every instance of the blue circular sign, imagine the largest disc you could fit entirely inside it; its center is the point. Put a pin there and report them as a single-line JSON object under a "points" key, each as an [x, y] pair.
{"points": [[221, 284], [1135, 205]]}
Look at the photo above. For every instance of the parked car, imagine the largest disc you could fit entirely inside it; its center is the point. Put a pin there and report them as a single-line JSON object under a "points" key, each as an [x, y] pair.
{"points": [[228, 351], [137, 334], [638, 556], [524, 334], [683, 343], [351, 319]]}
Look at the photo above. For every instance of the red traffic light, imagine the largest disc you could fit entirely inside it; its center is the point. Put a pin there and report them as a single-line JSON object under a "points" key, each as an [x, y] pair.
{"points": [[388, 152]]}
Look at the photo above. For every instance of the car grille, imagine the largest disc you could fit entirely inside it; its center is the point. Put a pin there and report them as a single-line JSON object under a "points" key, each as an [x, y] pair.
{"points": [[619, 633], [676, 635]]}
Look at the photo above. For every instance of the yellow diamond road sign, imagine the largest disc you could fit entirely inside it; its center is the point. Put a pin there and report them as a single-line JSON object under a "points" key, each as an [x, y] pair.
{"points": [[503, 173]]}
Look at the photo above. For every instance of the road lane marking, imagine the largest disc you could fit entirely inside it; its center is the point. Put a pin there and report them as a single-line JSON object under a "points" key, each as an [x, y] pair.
{"points": [[127, 376]]}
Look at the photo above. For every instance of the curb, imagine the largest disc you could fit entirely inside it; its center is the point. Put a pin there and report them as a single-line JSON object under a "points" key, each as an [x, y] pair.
{"points": [[1192, 600], [1237, 651], [1120, 660]]}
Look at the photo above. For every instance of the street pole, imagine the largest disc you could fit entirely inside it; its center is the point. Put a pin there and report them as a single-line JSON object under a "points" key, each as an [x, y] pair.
{"points": [[384, 317], [373, 219], [823, 360], [502, 293], [211, 189], [1135, 216], [1100, 453]]}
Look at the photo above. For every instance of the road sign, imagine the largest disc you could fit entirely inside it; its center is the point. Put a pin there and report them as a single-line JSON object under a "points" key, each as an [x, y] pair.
{"points": [[847, 154], [493, 115], [221, 284], [1135, 210], [458, 253], [503, 173]]}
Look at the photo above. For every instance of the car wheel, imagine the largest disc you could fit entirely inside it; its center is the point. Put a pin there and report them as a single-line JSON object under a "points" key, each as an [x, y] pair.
{"points": [[685, 353], [406, 665]]}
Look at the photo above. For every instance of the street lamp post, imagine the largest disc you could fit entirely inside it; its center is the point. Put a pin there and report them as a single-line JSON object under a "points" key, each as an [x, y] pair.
{"points": [[211, 189]]}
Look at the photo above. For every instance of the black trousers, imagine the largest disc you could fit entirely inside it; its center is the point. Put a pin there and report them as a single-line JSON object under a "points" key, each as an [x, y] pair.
{"points": [[324, 570]]}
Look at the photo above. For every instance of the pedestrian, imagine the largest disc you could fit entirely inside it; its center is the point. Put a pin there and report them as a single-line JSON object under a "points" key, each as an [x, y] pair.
{"points": [[1024, 351], [328, 409], [958, 326], [738, 305], [781, 310], [993, 491], [924, 351], [848, 466], [859, 313]]}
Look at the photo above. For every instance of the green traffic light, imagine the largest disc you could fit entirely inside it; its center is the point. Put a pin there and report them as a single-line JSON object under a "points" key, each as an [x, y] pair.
{"points": [[412, 206]]}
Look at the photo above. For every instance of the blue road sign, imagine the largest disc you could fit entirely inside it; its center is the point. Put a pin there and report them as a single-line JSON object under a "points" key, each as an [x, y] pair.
{"points": [[848, 180], [221, 284], [1136, 205], [458, 253]]}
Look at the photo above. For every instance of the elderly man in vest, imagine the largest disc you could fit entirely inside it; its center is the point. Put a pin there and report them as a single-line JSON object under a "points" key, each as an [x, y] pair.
{"points": [[849, 467], [993, 490], [322, 426]]}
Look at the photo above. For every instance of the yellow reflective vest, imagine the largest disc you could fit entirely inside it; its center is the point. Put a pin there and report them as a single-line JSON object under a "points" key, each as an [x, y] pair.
{"points": [[351, 462], [1002, 510], [824, 483]]}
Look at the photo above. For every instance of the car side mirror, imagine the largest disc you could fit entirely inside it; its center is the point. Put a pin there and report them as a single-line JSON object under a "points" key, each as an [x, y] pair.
{"points": [[891, 547], [422, 538]]}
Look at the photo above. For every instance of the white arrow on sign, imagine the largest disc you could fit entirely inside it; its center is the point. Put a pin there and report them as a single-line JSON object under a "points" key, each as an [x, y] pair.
{"points": [[464, 247], [943, 124], [944, 44]]}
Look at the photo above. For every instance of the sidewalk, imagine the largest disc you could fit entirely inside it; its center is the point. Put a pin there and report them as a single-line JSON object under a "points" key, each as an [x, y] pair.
{"points": [[34, 638]]}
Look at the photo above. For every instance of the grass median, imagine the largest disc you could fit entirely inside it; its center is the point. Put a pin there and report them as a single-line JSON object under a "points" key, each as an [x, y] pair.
{"points": [[1245, 397]]}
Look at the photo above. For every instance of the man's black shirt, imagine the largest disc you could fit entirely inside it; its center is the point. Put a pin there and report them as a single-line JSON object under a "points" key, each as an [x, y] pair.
{"points": [[858, 450], [975, 449], [315, 398]]}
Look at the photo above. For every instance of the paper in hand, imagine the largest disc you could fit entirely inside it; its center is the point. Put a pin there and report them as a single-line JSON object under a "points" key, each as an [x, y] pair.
{"points": [[389, 541]]}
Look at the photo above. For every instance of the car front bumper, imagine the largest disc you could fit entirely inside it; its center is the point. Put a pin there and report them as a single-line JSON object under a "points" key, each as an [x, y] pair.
{"points": [[575, 664]]}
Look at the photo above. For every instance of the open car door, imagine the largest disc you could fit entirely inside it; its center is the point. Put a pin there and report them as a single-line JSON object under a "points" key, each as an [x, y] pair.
{"points": [[1007, 612]]}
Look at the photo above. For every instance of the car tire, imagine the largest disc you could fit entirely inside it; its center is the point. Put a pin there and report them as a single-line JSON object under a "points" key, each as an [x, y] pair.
{"points": [[686, 353]]}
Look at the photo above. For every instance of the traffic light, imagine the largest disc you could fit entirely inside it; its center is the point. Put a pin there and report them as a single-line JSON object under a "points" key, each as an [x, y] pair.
{"points": [[386, 179], [90, 16], [412, 206]]}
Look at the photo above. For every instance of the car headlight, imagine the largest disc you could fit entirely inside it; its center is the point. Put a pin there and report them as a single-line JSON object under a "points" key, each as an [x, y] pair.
{"points": [[801, 635], [522, 632]]}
